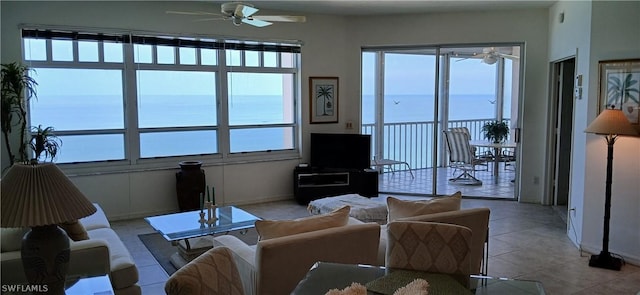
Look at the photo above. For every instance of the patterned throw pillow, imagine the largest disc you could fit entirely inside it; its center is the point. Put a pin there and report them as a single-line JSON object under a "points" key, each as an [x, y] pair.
{"points": [[74, 230], [401, 208], [269, 229]]}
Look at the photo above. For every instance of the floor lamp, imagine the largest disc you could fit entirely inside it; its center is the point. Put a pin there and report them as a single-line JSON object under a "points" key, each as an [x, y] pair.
{"points": [[41, 196], [611, 123]]}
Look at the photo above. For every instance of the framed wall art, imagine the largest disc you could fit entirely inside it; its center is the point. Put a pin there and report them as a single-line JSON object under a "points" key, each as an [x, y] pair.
{"points": [[620, 88], [323, 99]]}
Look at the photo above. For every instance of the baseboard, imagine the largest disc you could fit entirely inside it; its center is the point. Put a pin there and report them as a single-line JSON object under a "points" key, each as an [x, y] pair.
{"points": [[628, 258], [142, 214]]}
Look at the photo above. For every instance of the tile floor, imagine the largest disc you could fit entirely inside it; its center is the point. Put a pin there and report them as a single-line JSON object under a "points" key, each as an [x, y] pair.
{"points": [[401, 182], [527, 241]]}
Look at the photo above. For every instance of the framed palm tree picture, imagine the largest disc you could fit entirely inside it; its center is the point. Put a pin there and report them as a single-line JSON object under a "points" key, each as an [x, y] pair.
{"points": [[620, 87], [323, 99]]}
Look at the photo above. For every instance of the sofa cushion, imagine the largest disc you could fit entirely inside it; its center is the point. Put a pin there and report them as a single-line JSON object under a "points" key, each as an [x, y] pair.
{"points": [[74, 230], [400, 208], [11, 238], [269, 229], [123, 269], [95, 220]]}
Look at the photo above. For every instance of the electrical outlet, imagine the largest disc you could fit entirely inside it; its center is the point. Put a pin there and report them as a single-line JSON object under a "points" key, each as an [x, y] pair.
{"points": [[349, 125]]}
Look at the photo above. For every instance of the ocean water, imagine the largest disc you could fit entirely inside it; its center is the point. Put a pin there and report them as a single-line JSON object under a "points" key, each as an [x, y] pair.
{"points": [[419, 108], [93, 112]]}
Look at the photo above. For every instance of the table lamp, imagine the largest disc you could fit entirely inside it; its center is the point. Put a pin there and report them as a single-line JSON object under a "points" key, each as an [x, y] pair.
{"points": [[41, 196], [611, 123]]}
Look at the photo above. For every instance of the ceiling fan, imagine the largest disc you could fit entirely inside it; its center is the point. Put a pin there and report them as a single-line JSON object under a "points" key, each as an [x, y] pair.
{"points": [[239, 13], [490, 55]]}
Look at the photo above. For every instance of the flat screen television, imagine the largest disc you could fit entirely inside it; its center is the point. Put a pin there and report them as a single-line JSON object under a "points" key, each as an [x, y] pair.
{"points": [[340, 150]]}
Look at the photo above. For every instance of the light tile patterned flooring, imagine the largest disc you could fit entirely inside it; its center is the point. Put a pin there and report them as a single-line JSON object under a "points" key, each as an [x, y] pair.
{"points": [[527, 241]]}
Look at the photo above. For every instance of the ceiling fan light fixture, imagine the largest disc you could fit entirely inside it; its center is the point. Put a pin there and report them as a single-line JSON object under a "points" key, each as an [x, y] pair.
{"points": [[237, 21], [490, 59]]}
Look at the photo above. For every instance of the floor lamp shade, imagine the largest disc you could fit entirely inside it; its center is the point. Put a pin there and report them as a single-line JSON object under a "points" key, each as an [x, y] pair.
{"points": [[41, 196], [611, 123]]}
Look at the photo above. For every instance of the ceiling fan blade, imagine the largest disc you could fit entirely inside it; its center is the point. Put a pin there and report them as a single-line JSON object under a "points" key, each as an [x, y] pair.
{"points": [[208, 19], [191, 12], [244, 10], [281, 18], [256, 22], [509, 56], [461, 59]]}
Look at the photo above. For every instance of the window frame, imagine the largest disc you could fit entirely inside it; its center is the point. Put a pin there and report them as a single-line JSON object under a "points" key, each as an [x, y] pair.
{"points": [[129, 68]]}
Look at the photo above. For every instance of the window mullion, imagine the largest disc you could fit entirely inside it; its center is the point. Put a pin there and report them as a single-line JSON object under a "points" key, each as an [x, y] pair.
{"points": [[224, 137], [101, 52], [132, 134], [76, 51]]}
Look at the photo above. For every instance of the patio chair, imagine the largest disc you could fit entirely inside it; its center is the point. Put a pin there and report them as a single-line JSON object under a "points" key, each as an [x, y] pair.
{"points": [[487, 156], [461, 157]]}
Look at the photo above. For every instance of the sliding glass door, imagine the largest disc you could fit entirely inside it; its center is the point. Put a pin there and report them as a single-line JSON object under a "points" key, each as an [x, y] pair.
{"points": [[411, 95], [398, 97]]}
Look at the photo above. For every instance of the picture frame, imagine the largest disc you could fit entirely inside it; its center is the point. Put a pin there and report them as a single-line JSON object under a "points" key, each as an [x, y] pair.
{"points": [[620, 88], [323, 100]]}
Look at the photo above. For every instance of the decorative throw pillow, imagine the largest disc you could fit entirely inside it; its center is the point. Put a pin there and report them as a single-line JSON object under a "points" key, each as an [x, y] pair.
{"points": [[353, 289], [269, 229], [11, 238], [74, 230], [417, 287], [400, 208]]}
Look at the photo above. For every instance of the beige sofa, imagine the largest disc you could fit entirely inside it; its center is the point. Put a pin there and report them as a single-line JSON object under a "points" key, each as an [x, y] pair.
{"points": [[275, 266], [103, 253]]}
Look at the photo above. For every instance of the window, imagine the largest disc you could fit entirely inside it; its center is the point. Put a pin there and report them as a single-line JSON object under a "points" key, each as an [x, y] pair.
{"points": [[129, 97]]}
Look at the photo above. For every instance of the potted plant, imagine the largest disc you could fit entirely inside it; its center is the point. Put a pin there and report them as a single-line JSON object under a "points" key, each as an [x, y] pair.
{"points": [[496, 131], [44, 141], [17, 88]]}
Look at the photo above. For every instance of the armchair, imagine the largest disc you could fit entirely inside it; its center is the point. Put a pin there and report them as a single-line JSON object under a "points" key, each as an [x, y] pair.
{"points": [[275, 266]]}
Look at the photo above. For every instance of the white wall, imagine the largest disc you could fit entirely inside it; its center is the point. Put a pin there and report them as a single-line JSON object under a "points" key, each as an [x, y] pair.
{"points": [[600, 31], [615, 31], [572, 38], [331, 48]]}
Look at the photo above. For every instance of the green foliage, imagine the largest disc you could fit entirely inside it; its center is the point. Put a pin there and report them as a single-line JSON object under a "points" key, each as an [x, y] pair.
{"points": [[496, 131], [17, 88], [44, 141], [622, 90]]}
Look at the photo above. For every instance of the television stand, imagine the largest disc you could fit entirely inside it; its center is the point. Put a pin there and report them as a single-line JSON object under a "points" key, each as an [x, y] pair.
{"points": [[313, 183]]}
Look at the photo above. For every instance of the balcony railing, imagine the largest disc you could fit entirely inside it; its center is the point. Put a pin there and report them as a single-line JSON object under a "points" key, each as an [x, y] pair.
{"points": [[412, 142]]}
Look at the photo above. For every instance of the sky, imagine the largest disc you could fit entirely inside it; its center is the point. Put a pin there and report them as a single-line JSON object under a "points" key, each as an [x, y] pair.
{"points": [[415, 74]]}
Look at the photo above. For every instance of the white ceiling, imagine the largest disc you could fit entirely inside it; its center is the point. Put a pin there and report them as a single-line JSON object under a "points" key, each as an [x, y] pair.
{"points": [[381, 7]]}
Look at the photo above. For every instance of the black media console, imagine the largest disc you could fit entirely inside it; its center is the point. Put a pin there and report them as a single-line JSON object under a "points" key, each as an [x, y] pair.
{"points": [[313, 183]]}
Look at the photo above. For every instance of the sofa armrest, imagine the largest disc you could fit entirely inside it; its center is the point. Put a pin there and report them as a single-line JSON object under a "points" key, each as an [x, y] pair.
{"points": [[11, 268], [87, 258], [245, 258], [353, 221]]}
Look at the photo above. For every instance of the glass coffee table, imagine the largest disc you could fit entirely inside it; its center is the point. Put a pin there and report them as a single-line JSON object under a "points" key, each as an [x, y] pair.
{"points": [[324, 276], [191, 237]]}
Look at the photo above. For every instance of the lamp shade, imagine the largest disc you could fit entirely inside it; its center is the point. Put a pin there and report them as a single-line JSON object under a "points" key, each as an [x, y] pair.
{"points": [[611, 122], [41, 194]]}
